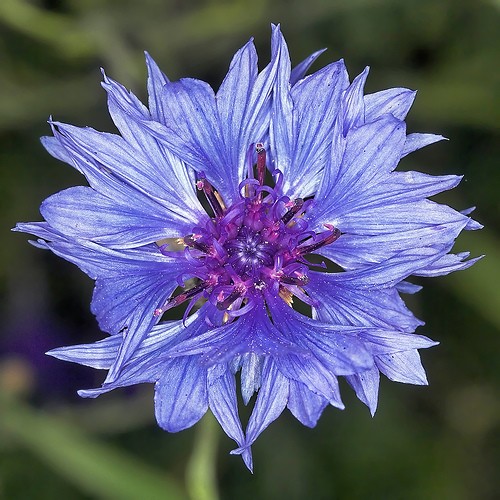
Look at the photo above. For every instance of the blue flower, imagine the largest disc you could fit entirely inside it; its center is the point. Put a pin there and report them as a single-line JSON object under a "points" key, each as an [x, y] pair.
{"points": [[271, 216]]}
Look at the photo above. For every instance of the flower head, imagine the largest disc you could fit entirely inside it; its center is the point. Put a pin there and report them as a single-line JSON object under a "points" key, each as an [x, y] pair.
{"points": [[271, 217]]}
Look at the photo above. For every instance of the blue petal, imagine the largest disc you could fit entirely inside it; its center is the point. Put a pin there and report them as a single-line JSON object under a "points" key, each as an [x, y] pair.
{"points": [[146, 362], [224, 405], [400, 187], [348, 305], [156, 82], [240, 110], [313, 374], [305, 405], [197, 140], [118, 309], [398, 218], [252, 333], [181, 395], [206, 141], [120, 172], [395, 101], [354, 251], [98, 261], [418, 141], [384, 342], [270, 403], [370, 151], [353, 103], [121, 302], [404, 367], [409, 288], [170, 174], [448, 264], [366, 385], [140, 327], [126, 111], [81, 212], [57, 150], [386, 274], [251, 373], [299, 71], [334, 346], [301, 128], [99, 355], [144, 366]]}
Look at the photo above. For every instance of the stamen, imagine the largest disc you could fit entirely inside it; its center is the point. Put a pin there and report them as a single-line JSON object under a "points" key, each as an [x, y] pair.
{"points": [[300, 280], [182, 297], [261, 162], [286, 295], [253, 250], [300, 294], [328, 237], [234, 295], [211, 194], [295, 206], [192, 242]]}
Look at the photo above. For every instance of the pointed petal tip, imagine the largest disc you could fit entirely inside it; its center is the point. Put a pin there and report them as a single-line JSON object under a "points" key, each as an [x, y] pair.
{"points": [[60, 353], [149, 59], [247, 459], [246, 454], [89, 393], [473, 225], [337, 404], [469, 210]]}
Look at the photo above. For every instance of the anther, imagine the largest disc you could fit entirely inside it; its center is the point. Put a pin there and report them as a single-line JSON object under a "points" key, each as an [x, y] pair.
{"points": [[234, 295], [295, 207], [261, 162], [300, 280], [327, 237], [182, 297], [192, 242], [211, 194]]}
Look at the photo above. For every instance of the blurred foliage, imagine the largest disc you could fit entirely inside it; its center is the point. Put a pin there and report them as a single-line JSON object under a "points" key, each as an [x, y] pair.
{"points": [[424, 443]]}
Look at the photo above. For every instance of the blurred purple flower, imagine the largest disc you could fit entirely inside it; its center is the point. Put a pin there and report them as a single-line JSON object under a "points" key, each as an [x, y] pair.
{"points": [[248, 183]]}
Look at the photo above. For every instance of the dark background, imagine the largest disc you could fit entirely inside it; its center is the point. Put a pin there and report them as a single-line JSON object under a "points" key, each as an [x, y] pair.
{"points": [[436, 442]]}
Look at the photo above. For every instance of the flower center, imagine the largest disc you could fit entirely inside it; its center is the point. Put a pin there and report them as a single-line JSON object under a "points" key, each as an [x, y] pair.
{"points": [[249, 252], [256, 246]]}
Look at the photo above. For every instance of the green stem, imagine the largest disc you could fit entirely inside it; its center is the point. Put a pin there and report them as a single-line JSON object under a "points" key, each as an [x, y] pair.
{"points": [[201, 481]]}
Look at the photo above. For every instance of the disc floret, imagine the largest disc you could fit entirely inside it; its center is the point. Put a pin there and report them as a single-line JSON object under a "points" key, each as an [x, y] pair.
{"points": [[255, 246]]}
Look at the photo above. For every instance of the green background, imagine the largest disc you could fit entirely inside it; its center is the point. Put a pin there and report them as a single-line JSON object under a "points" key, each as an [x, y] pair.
{"points": [[436, 442]]}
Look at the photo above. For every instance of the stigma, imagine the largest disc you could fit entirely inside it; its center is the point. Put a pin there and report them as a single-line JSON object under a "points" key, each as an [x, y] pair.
{"points": [[251, 248]]}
